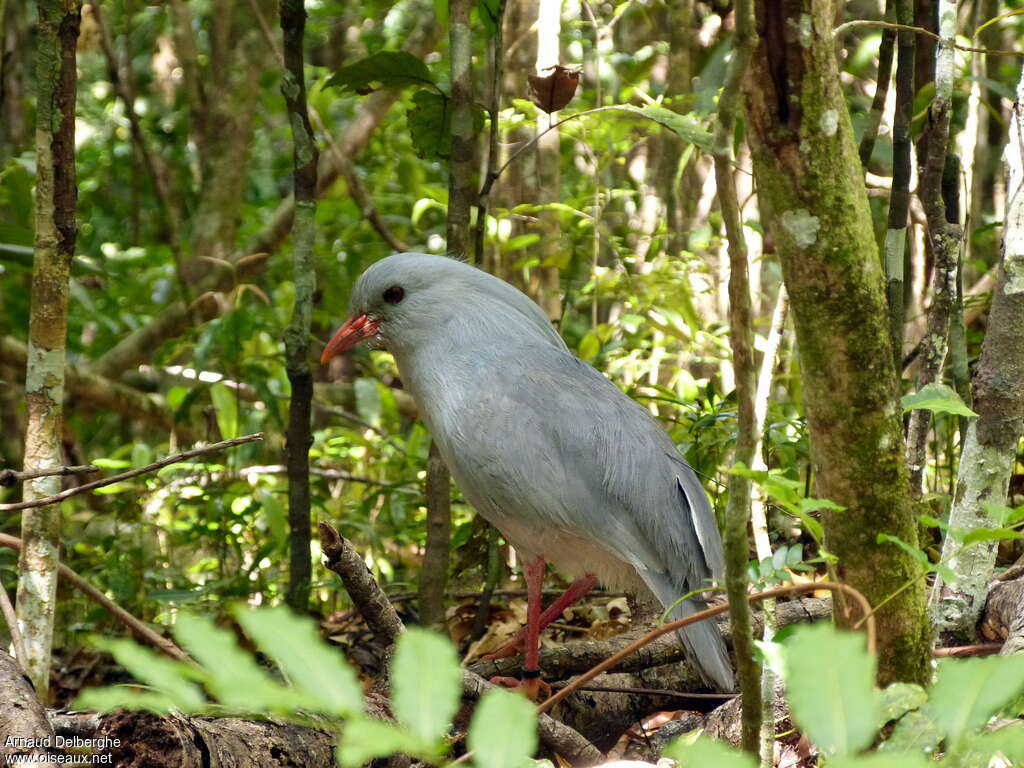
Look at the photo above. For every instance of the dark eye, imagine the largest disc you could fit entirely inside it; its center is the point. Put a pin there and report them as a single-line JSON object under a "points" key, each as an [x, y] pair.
{"points": [[394, 294]]}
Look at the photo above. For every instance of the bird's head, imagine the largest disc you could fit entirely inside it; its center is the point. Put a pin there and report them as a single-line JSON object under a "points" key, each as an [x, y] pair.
{"points": [[398, 299], [407, 299]]}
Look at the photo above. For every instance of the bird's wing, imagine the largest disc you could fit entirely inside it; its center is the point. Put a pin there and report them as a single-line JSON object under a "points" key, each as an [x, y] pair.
{"points": [[549, 439]]}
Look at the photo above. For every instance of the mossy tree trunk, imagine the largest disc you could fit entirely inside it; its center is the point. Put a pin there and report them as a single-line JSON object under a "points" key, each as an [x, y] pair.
{"points": [[55, 233], [807, 168]]}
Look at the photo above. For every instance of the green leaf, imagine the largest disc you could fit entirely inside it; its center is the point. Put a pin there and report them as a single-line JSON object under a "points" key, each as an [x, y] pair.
{"points": [[991, 534], [898, 699], [881, 760], [687, 127], [834, 703], [225, 404], [426, 684], [316, 670], [490, 12], [503, 732], [430, 125], [937, 398], [234, 677], [919, 555], [387, 70], [913, 733], [705, 753], [171, 680], [969, 691], [364, 739], [816, 505], [589, 347], [368, 403], [123, 697]]}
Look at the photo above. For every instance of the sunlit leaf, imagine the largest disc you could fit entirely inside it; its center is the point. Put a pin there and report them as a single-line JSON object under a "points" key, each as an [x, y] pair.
{"points": [[834, 703], [705, 753], [503, 732], [426, 683], [317, 670], [937, 398], [967, 692]]}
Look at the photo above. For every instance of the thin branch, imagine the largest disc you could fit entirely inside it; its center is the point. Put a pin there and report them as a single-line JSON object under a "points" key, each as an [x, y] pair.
{"points": [[10, 477], [737, 514], [155, 639], [710, 613], [885, 62], [842, 29], [59, 497]]}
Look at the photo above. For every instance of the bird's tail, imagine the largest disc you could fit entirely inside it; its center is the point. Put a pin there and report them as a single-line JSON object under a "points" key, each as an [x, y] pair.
{"points": [[702, 640]]}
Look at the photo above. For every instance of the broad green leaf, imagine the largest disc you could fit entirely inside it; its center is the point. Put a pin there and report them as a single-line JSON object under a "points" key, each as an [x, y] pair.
{"points": [[225, 404], [937, 398], [503, 732], [123, 697], [589, 347], [979, 748], [705, 753], [881, 760], [426, 684], [235, 679], [387, 70], [430, 125], [364, 739], [834, 703], [919, 555], [898, 699], [171, 680], [969, 691], [991, 534], [687, 127], [914, 733], [314, 668], [816, 505]]}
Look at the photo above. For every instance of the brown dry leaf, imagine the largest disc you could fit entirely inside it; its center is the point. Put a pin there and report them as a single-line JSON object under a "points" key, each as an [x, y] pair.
{"points": [[554, 91]]}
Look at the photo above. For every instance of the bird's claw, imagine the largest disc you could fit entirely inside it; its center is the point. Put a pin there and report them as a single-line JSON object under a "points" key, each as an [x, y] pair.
{"points": [[534, 688]]}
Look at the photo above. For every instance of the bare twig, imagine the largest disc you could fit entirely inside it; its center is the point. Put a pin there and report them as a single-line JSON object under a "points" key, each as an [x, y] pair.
{"points": [[963, 651], [9, 477], [842, 29], [58, 497], [155, 639]]}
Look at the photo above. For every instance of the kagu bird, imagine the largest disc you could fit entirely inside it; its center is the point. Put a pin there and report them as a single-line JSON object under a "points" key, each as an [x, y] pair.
{"points": [[562, 462]]}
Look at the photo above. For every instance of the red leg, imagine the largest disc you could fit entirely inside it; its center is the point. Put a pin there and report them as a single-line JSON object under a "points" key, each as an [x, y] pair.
{"points": [[576, 590], [531, 683]]}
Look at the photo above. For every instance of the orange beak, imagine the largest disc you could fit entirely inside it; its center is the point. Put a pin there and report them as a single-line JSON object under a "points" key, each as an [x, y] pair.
{"points": [[354, 330]]}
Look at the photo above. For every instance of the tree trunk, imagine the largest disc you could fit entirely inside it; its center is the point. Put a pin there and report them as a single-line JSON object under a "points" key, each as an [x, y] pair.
{"points": [[22, 717], [296, 336], [990, 448], [56, 196], [808, 170]]}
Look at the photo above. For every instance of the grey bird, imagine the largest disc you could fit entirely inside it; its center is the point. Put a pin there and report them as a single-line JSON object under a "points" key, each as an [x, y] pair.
{"points": [[568, 467]]}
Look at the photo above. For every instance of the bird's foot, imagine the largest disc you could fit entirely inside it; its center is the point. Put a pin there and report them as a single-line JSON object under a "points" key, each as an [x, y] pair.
{"points": [[531, 686]]}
